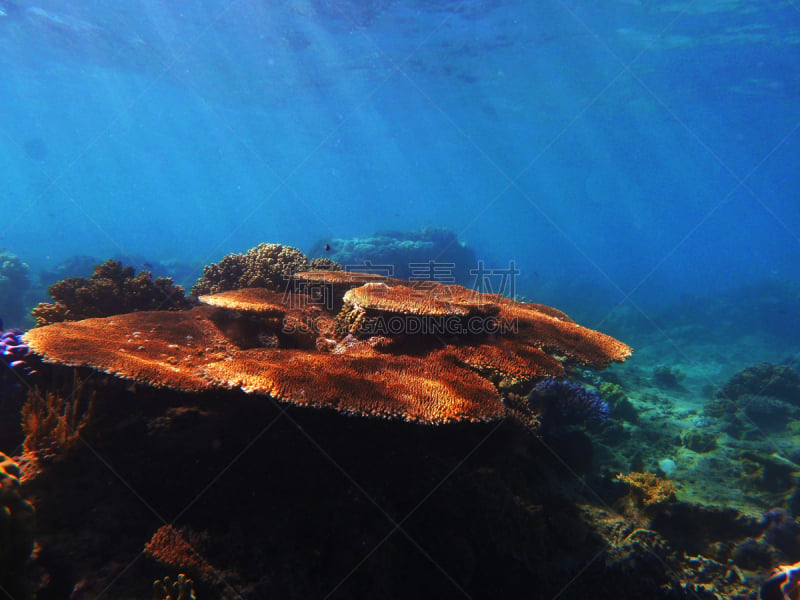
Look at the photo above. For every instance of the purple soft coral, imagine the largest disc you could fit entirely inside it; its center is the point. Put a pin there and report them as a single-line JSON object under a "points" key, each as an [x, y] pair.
{"points": [[13, 351], [565, 402]]}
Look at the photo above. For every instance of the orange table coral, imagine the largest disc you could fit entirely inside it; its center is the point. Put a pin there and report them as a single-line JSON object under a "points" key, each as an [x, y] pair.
{"points": [[421, 352]]}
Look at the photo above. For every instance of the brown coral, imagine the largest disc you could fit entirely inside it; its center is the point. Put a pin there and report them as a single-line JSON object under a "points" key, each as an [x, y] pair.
{"points": [[180, 549], [648, 489], [53, 420], [285, 346], [558, 335], [267, 265], [358, 380], [253, 300], [112, 289], [153, 347]]}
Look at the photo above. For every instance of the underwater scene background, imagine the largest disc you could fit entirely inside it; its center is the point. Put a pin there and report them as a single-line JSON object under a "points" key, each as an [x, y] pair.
{"points": [[632, 164]]}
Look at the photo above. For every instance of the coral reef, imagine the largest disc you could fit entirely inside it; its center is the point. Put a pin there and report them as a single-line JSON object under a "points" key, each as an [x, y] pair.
{"points": [[619, 403], [14, 283], [430, 253], [111, 290], [17, 370], [53, 420], [762, 397], [268, 266], [16, 530], [324, 264], [314, 497], [277, 345], [667, 376], [764, 379], [648, 489], [180, 549]]}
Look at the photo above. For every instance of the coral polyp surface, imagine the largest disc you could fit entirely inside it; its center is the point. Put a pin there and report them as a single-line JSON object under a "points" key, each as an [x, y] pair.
{"points": [[425, 354], [265, 266]]}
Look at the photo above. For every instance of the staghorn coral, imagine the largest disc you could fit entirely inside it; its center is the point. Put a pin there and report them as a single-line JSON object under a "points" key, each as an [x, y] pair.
{"points": [[285, 346], [16, 530], [112, 289], [267, 265]]}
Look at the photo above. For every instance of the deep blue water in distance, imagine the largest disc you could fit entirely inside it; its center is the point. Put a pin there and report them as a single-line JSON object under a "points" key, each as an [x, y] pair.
{"points": [[643, 147]]}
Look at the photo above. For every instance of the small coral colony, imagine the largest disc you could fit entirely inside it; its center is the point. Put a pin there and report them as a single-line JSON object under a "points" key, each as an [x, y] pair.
{"points": [[425, 364]]}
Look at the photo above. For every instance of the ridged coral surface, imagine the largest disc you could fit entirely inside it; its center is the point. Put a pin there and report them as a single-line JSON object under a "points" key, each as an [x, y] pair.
{"points": [[284, 346]]}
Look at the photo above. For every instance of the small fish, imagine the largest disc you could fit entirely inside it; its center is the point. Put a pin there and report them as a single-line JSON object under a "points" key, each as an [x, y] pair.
{"points": [[327, 247]]}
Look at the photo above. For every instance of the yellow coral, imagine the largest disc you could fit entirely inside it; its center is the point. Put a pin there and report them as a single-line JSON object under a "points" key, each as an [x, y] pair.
{"points": [[648, 488]]}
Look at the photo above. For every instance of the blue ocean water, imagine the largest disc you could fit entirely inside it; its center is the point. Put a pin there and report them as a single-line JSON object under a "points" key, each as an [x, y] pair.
{"points": [[633, 163], [646, 149]]}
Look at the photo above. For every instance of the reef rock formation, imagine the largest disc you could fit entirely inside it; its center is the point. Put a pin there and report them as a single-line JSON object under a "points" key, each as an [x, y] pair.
{"points": [[14, 283], [430, 253], [427, 353]]}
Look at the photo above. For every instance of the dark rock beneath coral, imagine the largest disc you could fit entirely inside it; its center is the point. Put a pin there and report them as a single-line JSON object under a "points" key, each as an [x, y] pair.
{"points": [[767, 412], [696, 528], [621, 406], [752, 555], [286, 502], [778, 474], [668, 377]]}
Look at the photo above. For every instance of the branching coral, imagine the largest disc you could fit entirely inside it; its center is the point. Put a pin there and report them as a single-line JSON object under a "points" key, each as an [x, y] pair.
{"points": [[111, 290], [648, 489], [267, 265], [52, 420]]}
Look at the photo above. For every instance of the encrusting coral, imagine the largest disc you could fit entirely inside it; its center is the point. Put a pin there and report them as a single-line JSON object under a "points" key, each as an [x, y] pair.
{"points": [[112, 289], [417, 372]]}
